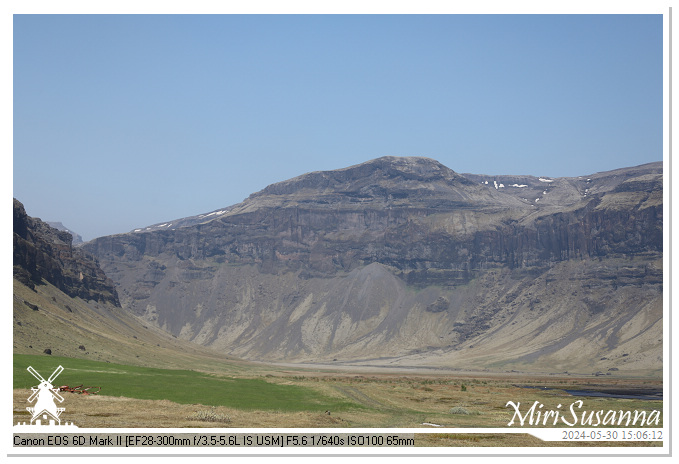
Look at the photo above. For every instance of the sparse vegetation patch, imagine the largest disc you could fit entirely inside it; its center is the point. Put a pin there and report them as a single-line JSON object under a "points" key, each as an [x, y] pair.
{"points": [[209, 415]]}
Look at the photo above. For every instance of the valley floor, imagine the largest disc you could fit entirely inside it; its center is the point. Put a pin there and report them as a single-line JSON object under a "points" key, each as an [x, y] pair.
{"points": [[366, 400]]}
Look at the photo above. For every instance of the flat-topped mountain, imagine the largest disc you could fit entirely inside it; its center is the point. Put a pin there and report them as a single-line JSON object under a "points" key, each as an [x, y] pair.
{"points": [[381, 183], [387, 181], [403, 260]]}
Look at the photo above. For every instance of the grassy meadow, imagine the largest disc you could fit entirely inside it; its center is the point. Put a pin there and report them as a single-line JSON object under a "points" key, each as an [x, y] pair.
{"points": [[178, 386], [268, 397]]}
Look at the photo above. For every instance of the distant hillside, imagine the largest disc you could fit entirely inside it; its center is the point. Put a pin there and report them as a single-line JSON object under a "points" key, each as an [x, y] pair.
{"points": [[402, 261], [77, 239]]}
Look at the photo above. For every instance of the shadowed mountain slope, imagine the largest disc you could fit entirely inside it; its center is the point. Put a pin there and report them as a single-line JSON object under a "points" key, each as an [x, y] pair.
{"points": [[45, 254]]}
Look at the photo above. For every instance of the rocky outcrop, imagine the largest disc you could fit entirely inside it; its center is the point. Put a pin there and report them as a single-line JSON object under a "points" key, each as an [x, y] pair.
{"points": [[380, 259], [43, 253], [77, 239]]}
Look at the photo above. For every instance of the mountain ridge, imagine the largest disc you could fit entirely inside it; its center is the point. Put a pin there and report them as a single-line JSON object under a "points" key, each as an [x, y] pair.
{"points": [[517, 188], [448, 260]]}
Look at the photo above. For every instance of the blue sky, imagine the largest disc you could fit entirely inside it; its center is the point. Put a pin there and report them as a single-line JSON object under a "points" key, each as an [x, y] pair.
{"points": [[125, 121]]}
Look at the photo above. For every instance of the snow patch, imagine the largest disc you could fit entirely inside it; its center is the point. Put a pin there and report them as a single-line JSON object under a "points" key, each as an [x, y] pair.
{"points": [[215, 212], [519, 186], [212, 213], [542, 179]]}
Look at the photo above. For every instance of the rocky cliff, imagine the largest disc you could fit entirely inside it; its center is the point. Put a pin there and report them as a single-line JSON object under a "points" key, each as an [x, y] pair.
{"points": [[403, 259], [45, 254], [77, 239]]}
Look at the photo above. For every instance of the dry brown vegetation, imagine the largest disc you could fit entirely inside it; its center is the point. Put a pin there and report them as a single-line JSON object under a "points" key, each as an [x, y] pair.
{"points": [[393, 401]]}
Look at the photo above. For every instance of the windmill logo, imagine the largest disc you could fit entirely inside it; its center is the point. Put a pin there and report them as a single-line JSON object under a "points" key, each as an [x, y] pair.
{"points": [[45, 397]]}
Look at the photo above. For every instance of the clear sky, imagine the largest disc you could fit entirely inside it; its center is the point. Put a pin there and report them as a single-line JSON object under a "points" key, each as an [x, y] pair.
{"points": [[126, 121]]}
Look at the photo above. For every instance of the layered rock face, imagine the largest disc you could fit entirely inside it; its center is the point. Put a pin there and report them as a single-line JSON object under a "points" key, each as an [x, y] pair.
{"points": [[402, 258], [43, 253]]}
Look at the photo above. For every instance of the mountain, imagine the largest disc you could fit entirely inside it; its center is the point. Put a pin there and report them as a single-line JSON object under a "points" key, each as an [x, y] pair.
{"points": [[77, 239], [45, 254], [402, 261], [64, 305]]}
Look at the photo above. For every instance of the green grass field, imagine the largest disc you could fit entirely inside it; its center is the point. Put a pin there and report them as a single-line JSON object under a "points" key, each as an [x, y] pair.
{"points": [[180, 386]]}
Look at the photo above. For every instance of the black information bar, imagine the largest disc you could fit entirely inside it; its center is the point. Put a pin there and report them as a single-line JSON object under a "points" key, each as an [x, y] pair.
{"points": [[182, 440]]}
